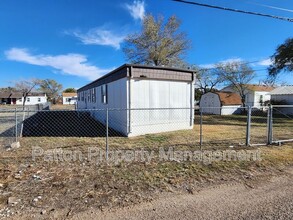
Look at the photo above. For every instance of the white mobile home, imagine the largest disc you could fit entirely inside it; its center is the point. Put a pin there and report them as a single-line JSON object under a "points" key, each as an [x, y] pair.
{"points": [[283, 96], [142, 99], [69, 98], [220, 103]]}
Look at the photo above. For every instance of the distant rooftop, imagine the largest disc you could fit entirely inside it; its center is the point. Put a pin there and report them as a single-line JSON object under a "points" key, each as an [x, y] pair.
{"points": [[258, 88], [283, 90], [17, 95], [229, 98], [261, 88], [69, 94]]}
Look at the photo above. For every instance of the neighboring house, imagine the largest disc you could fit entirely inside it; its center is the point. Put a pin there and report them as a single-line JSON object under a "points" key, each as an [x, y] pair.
{"points": [[138, 93], [255, 95], [69, 98], [283, 96], [220, 103], [16, 98], [10, 98]]}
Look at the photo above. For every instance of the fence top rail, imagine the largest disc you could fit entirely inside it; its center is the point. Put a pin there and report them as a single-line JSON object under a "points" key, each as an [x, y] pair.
{"points": [[3, 110], [92, 109], [223, 107], [282, 106]]}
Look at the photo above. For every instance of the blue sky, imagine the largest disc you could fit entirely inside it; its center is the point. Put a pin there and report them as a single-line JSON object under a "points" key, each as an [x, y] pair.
{"points": [[75, 42]]}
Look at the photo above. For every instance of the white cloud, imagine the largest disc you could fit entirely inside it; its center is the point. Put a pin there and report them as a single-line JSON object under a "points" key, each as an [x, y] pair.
{"points": [[265, 62], [99, 36], [72, 64], [136, 9], [212, 65]]}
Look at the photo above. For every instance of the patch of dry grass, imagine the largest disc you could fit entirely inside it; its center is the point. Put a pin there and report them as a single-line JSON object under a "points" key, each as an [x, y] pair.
{"points": [[62, 107]]}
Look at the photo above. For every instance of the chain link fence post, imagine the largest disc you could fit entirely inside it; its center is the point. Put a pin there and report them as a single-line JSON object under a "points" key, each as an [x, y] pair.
{"points": [[15, 115], [270, 125], [200, 128], [107, 133], [248, 126]]}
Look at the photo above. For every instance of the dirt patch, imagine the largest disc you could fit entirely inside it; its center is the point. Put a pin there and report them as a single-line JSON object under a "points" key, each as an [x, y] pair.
{"points": [[63, 189]]}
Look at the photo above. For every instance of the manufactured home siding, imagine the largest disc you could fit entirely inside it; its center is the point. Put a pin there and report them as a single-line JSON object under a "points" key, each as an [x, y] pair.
{"points": [[288, 99], [151, 96], [283, 98], [116, 99]]}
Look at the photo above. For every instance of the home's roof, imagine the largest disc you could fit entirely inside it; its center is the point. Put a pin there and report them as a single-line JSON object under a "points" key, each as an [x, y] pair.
{"points": [[142, 71], [283, 90], [260, 88], [229, 98], [6, 95], [69, 94], [18, 95], [256, 88], [37, 94]]}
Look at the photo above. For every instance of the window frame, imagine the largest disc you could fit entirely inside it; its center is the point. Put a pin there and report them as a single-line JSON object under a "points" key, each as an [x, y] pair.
{"points": [[104, 94]]}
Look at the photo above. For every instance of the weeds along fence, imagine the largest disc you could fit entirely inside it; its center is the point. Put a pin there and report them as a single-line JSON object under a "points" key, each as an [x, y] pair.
{"points": [[198, 127]]}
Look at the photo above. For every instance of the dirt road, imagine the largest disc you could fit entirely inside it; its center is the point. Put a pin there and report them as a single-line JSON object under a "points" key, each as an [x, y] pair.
{"points": [[270, 199]]}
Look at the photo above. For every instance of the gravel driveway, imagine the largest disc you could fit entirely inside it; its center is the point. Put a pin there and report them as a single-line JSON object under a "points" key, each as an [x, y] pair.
{"points": [[269, 199]]}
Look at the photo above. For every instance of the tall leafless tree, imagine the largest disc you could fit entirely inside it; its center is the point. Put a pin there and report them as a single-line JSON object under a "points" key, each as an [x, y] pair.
{"points": [[238, 75], [158, 43]]}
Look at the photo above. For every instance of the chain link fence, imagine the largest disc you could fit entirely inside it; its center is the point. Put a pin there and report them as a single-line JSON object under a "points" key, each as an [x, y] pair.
{"points": [[259, 125], [201, 128], [224, 126], [282, 123]]}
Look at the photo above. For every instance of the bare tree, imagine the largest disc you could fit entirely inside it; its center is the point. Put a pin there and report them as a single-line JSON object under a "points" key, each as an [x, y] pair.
{"points": [[207, 79], [51, 88], [158, 43], [26, 87], [238, 75]]}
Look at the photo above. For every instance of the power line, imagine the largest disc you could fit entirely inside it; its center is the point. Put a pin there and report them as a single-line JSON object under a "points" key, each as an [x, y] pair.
{"points": [[235, 10]]}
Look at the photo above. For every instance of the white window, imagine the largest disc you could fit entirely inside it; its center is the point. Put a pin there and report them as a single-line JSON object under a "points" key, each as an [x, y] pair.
{"points": [[104, 94], [39, 99], [82, 96], [94, 95], [28, 99], [261, 100]]}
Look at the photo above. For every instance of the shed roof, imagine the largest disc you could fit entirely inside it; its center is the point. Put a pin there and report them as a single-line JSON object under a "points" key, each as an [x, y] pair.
{"points": [[283, 90], [229, 98]]}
